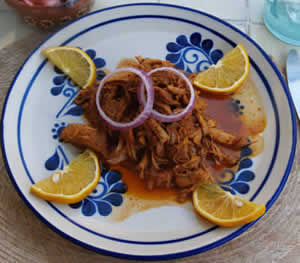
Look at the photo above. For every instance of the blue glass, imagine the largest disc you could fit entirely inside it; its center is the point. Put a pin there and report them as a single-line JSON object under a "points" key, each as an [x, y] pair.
{"points": [[282, 18]]}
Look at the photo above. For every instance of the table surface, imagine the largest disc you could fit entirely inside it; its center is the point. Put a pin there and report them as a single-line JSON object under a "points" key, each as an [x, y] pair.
{"points": [[249, 19]]}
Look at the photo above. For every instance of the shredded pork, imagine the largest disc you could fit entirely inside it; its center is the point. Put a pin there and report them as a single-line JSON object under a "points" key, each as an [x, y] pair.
{"points": [[170, 155]]}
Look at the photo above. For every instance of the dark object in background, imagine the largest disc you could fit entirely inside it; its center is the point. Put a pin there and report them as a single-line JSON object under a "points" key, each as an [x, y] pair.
{"points": [[51, 17]]}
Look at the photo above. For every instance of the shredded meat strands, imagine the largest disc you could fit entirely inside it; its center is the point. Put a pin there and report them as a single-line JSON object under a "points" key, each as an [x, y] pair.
{"points": [[169, 155]]}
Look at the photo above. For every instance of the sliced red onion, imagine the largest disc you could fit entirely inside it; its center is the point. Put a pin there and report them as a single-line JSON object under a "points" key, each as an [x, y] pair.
{"points": [[43, 3], [174, 117], [148, 106]]}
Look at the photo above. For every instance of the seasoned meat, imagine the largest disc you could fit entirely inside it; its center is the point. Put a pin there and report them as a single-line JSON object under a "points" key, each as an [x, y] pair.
{"points": [[200, 105], [180, 154], [203, 123], [119, 154], [142, 165], [163, 108], [87, 100], [85, 136], [197, 137], [157, 161], [186, 179], [141, 137], [131, 145], [188, 125], [164, 96], [219, 156], [176, 90], [227, 138], [172, 130], [115, 102], [157, 130], [147, 64]]}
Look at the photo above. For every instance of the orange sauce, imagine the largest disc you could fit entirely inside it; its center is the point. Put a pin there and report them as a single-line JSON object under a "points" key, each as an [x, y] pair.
{"points": [[136, 186]]}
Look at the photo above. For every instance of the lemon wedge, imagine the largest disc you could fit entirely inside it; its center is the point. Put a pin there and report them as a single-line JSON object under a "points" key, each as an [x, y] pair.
{"points": [[227, 75], [224, 209], [72, 184], [75, 63]]}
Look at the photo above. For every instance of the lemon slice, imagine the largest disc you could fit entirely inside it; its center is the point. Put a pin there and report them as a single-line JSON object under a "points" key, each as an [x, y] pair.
{"points": [[223, 208], [227, 75], [75, 63], [72, 184]]}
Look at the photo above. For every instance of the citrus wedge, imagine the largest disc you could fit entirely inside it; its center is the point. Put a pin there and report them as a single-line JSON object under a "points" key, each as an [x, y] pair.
{"points": [[75, 63], [223, 208], [227, 75], [72, 184]]}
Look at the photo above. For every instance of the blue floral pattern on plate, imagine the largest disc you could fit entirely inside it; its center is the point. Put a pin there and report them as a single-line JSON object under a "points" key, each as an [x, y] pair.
{"points": [[63, 86], [193, 54], [238, 182], [110, 188], [107, 194], [57, 160]]}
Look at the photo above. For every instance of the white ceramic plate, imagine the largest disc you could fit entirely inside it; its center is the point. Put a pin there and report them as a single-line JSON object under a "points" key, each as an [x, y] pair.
{"points": [[39, 104]]}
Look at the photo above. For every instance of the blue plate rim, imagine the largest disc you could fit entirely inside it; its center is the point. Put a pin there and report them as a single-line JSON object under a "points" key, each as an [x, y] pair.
{"points": [[172, 255], [232, 43]]}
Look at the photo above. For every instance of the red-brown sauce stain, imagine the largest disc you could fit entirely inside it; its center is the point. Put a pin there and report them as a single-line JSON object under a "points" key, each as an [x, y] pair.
{"points": [[221, 109]]}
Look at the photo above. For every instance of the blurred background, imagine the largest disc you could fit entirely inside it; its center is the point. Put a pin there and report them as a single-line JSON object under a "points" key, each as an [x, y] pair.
{"points": [[248, 18]]}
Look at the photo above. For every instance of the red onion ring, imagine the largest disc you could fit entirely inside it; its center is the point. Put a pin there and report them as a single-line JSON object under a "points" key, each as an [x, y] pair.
{"points": [[148, 106], [43, 3], [174, 117]]}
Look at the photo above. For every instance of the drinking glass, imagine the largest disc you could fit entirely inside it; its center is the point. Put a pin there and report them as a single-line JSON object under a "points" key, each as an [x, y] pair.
{"points": [[282, 18]]}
